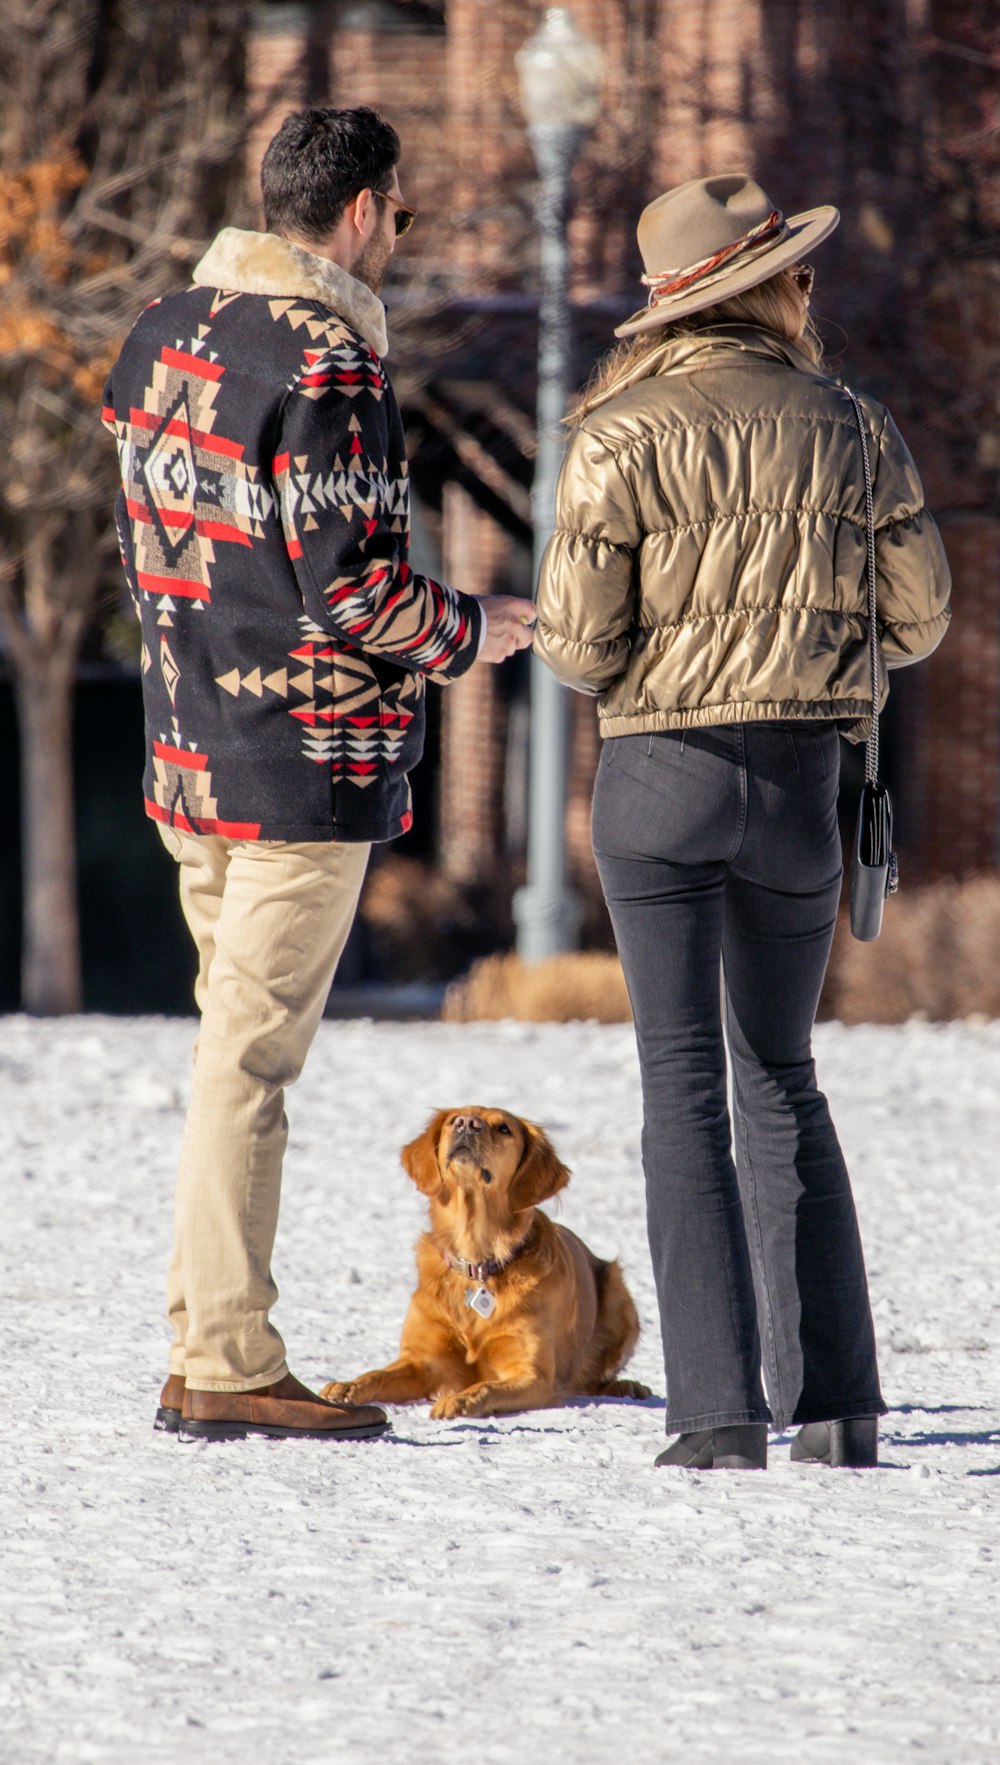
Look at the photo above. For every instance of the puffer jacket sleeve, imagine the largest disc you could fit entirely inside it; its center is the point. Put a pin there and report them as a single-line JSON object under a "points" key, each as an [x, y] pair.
{"points": [[912, 578], [586, 590]]}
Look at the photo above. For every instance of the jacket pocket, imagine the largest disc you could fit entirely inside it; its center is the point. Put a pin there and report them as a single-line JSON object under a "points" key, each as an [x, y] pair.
{"points": [[401, 725]]}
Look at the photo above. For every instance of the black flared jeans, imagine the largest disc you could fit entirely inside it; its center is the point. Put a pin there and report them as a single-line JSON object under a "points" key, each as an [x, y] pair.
{"points": [[720, 859]]}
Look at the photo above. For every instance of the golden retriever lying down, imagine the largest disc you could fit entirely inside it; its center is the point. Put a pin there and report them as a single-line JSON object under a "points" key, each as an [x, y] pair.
{"points": [[510, 1312]]}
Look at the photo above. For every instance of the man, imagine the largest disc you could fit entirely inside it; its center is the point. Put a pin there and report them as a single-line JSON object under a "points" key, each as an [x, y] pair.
{"points": [[286, 643]]}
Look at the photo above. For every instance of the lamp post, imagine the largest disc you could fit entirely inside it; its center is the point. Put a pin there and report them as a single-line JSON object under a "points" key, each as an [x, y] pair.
{"points": [[559, 71]]}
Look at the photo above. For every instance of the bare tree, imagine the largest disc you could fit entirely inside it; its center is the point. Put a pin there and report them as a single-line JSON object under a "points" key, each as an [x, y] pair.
{"points": [[121, 128]]}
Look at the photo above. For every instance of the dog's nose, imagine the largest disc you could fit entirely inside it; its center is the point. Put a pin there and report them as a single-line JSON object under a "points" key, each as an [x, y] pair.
{"points": [[462, 1123]]}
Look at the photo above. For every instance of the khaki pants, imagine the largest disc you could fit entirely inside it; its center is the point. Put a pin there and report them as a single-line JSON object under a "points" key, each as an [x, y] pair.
{"points": [[269, 920]]}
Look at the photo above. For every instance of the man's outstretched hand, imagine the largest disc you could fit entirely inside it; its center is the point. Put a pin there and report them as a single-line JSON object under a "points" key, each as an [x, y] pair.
{"points": [[509, 622]]}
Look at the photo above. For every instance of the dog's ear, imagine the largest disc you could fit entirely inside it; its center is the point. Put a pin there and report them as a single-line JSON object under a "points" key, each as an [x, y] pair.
{"points": [[420, 1159], [540, 1174]]}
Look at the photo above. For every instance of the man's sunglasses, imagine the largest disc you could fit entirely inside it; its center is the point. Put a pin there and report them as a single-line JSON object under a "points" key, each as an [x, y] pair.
{"points": [[802, 275], [404, 217]]}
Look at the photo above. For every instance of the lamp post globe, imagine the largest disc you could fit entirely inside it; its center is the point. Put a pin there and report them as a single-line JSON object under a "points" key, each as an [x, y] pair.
{"points": [[560, 72]]}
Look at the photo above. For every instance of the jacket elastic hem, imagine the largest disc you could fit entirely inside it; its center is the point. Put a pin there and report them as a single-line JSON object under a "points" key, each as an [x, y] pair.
{"points": [[847, 711]]}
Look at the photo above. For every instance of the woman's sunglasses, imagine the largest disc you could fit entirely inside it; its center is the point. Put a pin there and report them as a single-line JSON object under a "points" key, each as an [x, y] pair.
{"points": [[802, 275], [404, 217]]}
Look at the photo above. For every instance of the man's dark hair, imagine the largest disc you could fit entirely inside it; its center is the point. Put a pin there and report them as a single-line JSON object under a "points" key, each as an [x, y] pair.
{"points": [[318, 162]]}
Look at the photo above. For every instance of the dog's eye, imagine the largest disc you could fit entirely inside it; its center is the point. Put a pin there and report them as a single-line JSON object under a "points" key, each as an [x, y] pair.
{"points": [[502, 1128]]}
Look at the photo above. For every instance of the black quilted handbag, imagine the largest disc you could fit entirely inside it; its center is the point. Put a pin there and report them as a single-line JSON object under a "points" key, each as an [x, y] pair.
{"points": [[874, 871]]}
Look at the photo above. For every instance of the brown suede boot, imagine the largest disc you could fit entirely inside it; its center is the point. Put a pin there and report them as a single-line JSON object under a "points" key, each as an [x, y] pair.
{"points": [[287, 1410], [168, 1416]]}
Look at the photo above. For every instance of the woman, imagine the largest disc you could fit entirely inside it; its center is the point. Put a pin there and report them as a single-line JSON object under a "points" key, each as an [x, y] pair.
{"points": [[707, 581]]}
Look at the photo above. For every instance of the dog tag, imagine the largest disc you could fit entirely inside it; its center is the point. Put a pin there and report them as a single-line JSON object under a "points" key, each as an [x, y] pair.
{"points": [[481, 1300]]}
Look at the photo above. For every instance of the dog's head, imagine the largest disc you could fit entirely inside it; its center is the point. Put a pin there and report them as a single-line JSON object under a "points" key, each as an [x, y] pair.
{"points": [[498, 1162]]}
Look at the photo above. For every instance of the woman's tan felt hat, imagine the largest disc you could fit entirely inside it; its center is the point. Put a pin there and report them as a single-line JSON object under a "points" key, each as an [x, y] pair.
{"points": [[683, 231]]}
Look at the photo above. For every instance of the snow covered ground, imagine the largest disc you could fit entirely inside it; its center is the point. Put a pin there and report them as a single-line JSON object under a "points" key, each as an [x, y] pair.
{"points": [[499, 1591]]}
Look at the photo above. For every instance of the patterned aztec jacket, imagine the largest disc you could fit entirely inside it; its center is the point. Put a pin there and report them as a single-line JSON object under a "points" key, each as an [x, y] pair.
{"points": [[264, 527]]}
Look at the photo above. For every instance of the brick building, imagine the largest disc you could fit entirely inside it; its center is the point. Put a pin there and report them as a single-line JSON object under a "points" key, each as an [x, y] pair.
{"points": [[887, 108]]}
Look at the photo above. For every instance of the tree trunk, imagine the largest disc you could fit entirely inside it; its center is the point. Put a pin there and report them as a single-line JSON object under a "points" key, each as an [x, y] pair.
{"points": [[50, 960]]}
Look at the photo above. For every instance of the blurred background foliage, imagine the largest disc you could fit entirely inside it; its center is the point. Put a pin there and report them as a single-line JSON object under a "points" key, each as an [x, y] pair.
{"points": [[129, 132]]}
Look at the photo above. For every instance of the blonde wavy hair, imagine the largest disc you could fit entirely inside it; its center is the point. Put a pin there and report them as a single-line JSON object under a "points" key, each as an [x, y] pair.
{"points": [[776, 305]]}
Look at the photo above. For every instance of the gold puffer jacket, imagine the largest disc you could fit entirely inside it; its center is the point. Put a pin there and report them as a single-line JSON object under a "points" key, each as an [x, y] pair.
{"points": [[708, 563]]}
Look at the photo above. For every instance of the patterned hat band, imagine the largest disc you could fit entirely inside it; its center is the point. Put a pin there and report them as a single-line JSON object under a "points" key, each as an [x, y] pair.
{"points": [[761, 238]]}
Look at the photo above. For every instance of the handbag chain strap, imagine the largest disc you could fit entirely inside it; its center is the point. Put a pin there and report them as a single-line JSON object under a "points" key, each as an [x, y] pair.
{"points": [[871, 745]]}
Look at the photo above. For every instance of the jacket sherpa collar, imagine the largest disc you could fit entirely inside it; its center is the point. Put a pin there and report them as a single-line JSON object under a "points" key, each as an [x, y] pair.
{"points": [[264, 263]]}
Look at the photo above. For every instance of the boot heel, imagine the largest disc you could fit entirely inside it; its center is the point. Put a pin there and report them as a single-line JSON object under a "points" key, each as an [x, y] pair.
{"points": [[854, 1442], [850, 1444]]}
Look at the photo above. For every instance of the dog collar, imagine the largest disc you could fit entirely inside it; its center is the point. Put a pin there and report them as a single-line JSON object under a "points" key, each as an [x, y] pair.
{"points": [[481, 1271]]}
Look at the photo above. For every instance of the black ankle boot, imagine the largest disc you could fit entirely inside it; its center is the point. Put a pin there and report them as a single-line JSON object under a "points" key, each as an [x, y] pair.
{"points": [[739, 1448], [838, 1443]]}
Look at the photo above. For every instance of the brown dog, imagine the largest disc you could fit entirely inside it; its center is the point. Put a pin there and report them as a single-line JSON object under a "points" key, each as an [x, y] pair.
{"points": [[511, 1312]]}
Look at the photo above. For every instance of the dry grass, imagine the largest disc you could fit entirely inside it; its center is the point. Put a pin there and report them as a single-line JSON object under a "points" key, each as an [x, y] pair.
{"points": [[938, 957], [423, 926], [560, 988]]}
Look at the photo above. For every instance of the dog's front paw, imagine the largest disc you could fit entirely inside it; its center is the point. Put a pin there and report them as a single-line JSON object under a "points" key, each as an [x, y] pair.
{"points": [[338, 1391], [633, 1388], [459, 1403]]}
